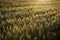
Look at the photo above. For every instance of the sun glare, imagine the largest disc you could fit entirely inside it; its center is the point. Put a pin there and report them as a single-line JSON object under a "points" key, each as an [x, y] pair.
{"points": [[43, 1]]}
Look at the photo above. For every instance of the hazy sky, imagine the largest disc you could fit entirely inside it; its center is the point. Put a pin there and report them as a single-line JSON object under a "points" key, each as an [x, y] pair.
{"points": [[31, 0]]}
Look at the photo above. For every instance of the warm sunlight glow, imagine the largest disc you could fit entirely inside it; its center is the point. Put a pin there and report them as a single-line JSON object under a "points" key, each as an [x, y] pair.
{"points": [[43, 1]]}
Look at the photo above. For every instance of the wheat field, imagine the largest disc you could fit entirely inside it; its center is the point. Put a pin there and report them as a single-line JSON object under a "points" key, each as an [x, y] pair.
{"points": [[28, 21]]}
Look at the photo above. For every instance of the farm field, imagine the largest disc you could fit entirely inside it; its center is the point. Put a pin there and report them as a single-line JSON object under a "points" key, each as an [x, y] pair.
{"points": [[28, 20]]}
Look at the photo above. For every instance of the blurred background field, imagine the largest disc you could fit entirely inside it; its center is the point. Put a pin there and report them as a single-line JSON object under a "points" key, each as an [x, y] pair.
{"points": [[29, 20]]}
